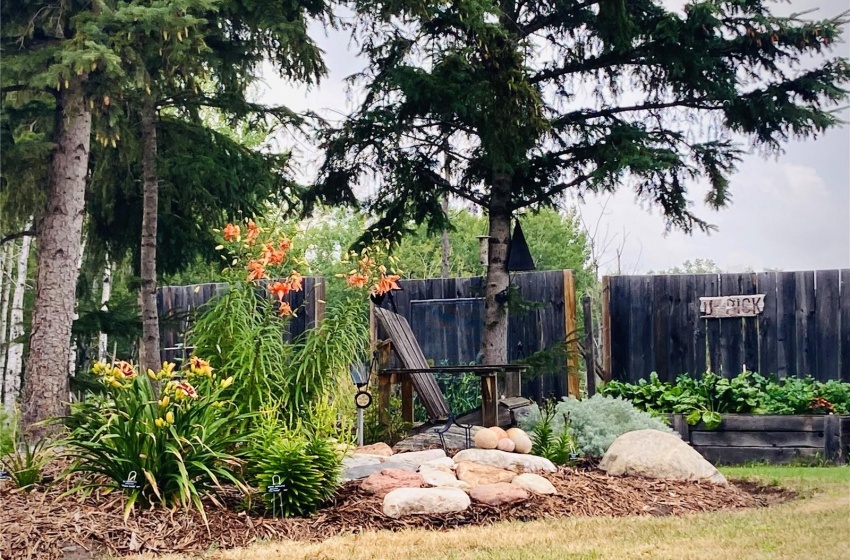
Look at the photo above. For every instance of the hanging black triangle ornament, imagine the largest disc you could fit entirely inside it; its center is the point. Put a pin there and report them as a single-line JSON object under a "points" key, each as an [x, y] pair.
{"points": [[519, 258]]}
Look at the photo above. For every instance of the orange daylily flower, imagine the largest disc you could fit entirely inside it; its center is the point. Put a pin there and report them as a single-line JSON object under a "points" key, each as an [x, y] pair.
{"points": [[271, 255], [279, 289], [285, 309], [357, 280], [252, 233], [387, 283], [285, 244], [295, 281], [231, 232], [126, 369], [257, 270]]}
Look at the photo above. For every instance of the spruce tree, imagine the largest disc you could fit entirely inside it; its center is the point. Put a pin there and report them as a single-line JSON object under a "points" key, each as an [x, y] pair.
{"points": [[527, 101]]}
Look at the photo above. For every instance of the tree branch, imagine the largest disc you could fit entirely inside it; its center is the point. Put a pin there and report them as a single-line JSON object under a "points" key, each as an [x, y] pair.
{"points": [[554, 191], [584, 115], [17, 235]]}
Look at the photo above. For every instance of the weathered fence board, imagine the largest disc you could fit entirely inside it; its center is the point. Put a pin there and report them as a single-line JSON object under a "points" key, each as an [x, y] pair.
{"points": [[179, 305], [654, 324], [447, 314]]}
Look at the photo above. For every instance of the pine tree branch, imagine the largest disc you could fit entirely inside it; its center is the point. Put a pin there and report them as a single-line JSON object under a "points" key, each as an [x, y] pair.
{"points": [[544, 21], [551, 193], [16, 235], [580, 116]]}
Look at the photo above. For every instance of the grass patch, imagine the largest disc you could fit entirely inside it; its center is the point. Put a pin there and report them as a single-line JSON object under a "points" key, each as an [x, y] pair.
{"points": [[813, 527]]}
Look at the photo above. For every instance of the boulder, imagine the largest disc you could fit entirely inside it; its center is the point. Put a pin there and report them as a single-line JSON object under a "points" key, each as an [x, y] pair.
{"points": [[478, 475], [506, 444], [387, 480], [441, 476], [498, 431], [381, 449], [455, 439], [504, 460], [424, 501], [498, 494], [534, 483], [521, 440], [416, 458], [445, 463], [486, 439], [362, 471], [656, 454], [360, 459]]}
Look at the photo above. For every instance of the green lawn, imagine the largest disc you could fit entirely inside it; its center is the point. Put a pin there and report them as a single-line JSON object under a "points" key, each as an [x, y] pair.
{"points": [[815, 526]]}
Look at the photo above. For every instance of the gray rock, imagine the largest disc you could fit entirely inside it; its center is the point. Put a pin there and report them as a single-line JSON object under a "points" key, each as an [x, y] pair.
{"points": [[362, 471], [656, 454], [416, 458], [359, 460], [429, 439], [424, 501], [504, 460]]}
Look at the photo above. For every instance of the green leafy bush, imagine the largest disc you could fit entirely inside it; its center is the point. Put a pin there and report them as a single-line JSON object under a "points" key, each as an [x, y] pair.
{"points": [[709, 396], [23, 460], [558, 446], [303, 464], [176, 445], [596, 422]]}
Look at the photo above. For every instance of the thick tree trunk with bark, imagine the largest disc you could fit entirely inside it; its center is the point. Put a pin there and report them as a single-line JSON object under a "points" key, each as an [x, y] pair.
{"points": [[15, 357], [495, 340], [59, 247], [149, 353]]}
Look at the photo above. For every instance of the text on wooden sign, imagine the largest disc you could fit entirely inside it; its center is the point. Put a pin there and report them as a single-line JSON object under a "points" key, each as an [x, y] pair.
{"points": [[731, 306]]}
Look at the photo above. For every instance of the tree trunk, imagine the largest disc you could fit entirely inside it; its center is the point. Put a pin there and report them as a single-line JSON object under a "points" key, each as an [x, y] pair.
{"points": [[46, 377], [14, 359], [6, 268], [149, 352], [105, 294], [445, 246], [495, 340]]}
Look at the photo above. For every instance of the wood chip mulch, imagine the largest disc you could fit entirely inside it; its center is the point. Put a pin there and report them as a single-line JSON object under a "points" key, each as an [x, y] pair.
{"points": [[46, 525]]}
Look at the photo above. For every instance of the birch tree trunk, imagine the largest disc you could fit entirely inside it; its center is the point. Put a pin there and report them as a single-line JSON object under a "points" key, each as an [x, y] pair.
{"points": [[105, 294], [6, 269], [495, 339], [59, 246], [14, 360], [149, 356]]}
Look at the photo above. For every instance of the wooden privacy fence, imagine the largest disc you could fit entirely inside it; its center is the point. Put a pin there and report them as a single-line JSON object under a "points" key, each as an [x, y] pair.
{"points": [[654, 323], [447, 319], [178, 306]]}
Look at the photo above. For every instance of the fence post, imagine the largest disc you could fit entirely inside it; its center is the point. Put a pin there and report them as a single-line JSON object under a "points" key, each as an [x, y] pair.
{"points": [[606, 327], [571, 331], [589, 346], [831, 439]]}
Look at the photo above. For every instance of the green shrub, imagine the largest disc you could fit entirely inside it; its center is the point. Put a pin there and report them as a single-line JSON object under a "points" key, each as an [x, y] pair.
{"points": [[596, 422], [546, 442], [178, 443], [304, 465], [23, 460]]}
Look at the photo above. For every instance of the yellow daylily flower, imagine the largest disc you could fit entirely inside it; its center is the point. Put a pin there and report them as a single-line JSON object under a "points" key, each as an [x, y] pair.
{"points": [[227, 382]]}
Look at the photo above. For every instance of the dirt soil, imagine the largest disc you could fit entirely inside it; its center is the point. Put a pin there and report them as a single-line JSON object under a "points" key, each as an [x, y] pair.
{"points": [[45, 524]]}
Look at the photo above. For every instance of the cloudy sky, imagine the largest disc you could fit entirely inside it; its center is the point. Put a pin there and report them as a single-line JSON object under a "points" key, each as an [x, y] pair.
{"points": [[790, 212]]}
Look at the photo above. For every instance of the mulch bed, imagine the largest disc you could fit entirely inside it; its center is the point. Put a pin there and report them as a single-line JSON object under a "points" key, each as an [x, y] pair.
{"points": [[45, 525]]}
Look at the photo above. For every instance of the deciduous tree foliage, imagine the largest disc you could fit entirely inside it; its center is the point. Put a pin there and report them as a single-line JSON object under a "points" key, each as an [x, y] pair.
{"points": [[530, 100]]}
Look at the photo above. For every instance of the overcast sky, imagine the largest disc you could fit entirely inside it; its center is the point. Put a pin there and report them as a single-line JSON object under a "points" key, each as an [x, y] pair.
{"points": [[790, 212]]}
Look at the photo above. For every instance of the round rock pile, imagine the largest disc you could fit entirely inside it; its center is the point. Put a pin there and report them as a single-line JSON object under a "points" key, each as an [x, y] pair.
{"points": [[428, 482]]}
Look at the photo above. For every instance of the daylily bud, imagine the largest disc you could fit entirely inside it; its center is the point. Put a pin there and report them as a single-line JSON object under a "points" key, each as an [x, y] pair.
{"points": [[227, 382], [169, 417], [151, 374], [160, 423]]}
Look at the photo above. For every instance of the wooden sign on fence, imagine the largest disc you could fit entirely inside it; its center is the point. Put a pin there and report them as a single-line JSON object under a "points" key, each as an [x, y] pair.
{"points": [[731, 306]]}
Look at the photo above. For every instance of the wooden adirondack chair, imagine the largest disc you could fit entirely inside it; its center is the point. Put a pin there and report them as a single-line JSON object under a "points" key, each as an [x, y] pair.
{"points": [[421, 375]]}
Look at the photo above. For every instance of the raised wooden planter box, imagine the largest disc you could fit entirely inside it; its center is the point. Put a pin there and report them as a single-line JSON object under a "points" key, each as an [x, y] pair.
{"points": [[747, 438]]}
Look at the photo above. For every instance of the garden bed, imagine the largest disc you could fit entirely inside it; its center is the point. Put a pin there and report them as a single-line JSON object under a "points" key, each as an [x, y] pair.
{"points": [[44, 524], [748, 438]]}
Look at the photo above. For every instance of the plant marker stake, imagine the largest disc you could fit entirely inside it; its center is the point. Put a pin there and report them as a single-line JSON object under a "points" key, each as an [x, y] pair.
{"points": [[275, 488], [130, 483]]}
